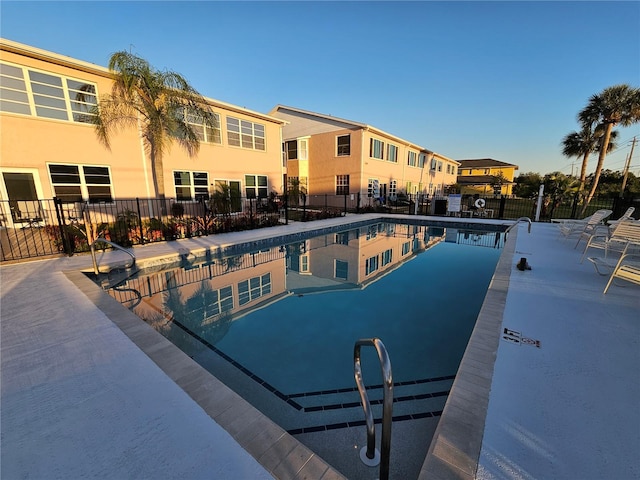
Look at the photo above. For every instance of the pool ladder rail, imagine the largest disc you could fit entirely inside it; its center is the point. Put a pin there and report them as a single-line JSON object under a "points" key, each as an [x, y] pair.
{"points": [[370, 455], [96, 269], [521, 219]]}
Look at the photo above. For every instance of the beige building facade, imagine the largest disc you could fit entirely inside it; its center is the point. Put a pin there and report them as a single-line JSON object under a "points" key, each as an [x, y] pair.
{"points": [[49, 148], [332, 156]]}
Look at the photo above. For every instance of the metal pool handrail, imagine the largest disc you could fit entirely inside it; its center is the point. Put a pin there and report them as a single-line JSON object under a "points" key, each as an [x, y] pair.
{"points": [[114, 245], [385, 443], [526, 219]]}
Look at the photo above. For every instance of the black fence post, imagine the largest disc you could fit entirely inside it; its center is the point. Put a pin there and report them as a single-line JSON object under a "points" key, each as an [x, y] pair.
{"points": [[251, 212], [574, 207], [503, 203], [140, 221], [358, 204], [286, 209], [66, 243]]}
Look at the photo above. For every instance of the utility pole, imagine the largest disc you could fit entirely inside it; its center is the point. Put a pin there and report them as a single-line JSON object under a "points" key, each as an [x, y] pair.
{"points": [[626, 169]]}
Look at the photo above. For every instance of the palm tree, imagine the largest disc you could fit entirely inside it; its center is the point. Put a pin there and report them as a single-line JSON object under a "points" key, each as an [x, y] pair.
{"points": [[162, 104], [583, 144], [617, 105]]}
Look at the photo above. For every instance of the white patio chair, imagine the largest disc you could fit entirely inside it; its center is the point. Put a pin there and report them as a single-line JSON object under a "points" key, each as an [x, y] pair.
{"points": [[625, 216], [627, 268], [617, 238], [584, 229]]}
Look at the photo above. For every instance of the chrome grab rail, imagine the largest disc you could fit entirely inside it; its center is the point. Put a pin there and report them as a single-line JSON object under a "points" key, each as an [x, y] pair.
{"points": [[114, 245], [368, 453], [526, 219]]}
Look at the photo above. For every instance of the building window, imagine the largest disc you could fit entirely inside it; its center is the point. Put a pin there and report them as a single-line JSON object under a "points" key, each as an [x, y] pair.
{"points": [[387, 257], [342, 184], [254, 288], [191, 185], [453, 169], [422, 158], [439, 166], [291, 149], [344, 145], [372, 264], [434, 163], [406, 248], [486, 171], [376, 149], [30, 92], [217, 302], [205, 134], [255, 186], [373, 188], [341, 269], [392, 153], [74, 183], [411, 159], [393, 188], [342, 238], [245, 134], [303, 149]]}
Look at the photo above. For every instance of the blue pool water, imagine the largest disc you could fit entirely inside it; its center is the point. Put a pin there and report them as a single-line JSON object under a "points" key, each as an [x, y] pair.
{"points": [[279, 324]]}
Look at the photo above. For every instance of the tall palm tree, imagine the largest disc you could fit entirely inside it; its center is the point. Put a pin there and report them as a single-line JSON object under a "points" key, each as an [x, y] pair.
{"points": [[162, 104], [583, 144], [617, 105]]}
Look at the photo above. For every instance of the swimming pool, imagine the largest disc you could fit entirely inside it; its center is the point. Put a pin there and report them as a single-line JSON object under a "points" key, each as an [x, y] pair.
{"points": [[278, 324]]}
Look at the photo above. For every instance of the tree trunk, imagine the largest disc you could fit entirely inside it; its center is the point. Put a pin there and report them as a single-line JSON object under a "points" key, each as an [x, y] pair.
{"points": [[158, 177], [603, 153], [583, 172]]}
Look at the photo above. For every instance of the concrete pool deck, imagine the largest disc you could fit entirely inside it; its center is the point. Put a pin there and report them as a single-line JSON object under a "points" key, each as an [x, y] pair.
{"points": [[72, 405]]}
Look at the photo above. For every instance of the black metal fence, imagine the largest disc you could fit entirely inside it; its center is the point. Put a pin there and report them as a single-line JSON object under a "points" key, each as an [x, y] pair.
{"points": [[36, 228]]}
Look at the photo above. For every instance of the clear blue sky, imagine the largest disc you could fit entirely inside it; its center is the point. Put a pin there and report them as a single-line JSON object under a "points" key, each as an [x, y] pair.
{"points": [[466, 79]]}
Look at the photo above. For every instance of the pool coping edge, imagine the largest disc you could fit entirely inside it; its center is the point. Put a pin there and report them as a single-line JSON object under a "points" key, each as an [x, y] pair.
{"points": [[283, 456]]}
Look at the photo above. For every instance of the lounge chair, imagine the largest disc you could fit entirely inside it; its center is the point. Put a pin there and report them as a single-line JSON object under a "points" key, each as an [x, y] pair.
{"points": [[627, 268], [625, 216], [584, 229], [617, 238]]}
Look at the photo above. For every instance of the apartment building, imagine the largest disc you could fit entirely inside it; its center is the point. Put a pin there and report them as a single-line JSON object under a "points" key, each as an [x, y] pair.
{"points": [[334, 156], [486, 176], [49, 148]]}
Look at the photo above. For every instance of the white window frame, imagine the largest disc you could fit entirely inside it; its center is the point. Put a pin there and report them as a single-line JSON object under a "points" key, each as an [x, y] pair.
{"points": [[246, 134], [194, 189], [411, 159], [341, 182], [256, 187], [392, 153], [335, 269], [40, 97], [84, 185], [422, 159], [387, 257], [376, 149], [256, 287], [303, 149], [393, 188], [372, 264], [206, 134]]}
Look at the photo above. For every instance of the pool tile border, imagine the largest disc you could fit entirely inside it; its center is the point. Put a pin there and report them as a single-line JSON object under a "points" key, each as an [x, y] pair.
{"points": [[455, 449], [279, 453]]}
